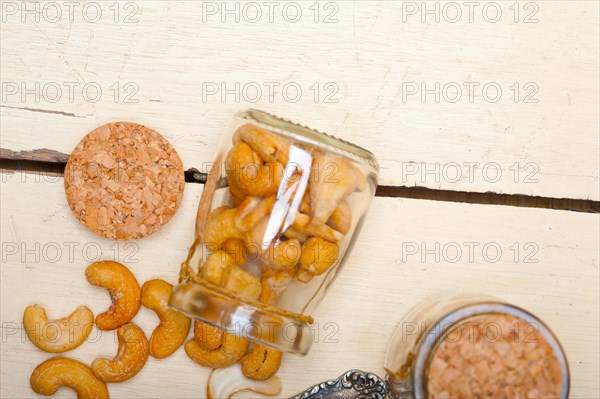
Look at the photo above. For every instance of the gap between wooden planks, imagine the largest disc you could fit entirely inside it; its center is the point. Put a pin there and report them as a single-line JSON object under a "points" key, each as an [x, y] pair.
{"points": [[373, 56], [45, 161], [380, 282]]}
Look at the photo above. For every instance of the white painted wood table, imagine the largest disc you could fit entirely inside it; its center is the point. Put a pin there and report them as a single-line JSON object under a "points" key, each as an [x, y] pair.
{"points": [[498, 97]]}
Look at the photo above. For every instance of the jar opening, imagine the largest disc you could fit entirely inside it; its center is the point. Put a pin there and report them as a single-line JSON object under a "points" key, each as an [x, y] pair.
{"points": [[279, 330], [494, 348]]}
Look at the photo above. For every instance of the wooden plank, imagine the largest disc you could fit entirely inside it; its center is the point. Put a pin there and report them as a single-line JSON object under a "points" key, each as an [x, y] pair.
{"points": [[175, 67], [31, 162], [554, 275]]}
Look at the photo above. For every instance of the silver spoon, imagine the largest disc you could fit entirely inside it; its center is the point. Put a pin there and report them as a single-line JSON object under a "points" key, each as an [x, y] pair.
{"points": [[350, 385]]}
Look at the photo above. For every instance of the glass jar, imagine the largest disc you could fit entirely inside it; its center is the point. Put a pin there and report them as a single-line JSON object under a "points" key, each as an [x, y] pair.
{"points": [[281, 209], [465, 345]]}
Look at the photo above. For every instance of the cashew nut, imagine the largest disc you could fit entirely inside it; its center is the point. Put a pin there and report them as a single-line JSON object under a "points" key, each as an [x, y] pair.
{"points": [[217, 267], [252, 210], [217, 211], [131, 356], [224, 383], [270, 147], [318, 255], [305, 203], [215, 354], [299, 235], [124, 292], [341, 218], [221, 349], [255, 237], [57, 336], [174, 326], [60, 371], [243, 283], [304, 276], [312, 227], [232, 347], [219, 228], [274, 283], [237, 195], [235, 248], [262, 363], [208, 337], [230, 351], [332, 180], [284, 255], [245, 168]]}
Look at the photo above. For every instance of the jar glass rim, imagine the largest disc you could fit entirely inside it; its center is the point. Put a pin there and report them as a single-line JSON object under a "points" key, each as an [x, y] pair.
{"points": [[279, 331]]}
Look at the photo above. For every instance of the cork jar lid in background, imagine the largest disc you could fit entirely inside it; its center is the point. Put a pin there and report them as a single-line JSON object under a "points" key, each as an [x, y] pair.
{"points": [[124, 181]]}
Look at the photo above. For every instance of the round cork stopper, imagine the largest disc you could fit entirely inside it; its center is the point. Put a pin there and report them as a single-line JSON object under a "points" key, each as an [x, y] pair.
{"points": [[124, 181]]}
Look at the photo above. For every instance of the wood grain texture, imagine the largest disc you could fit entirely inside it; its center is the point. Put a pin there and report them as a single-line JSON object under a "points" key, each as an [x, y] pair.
{"points": [[166, 59], [19, 162], [554, 275]]}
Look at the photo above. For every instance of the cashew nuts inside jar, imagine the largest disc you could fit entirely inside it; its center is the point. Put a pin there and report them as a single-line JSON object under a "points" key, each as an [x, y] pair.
{"points": [[280, 211]]}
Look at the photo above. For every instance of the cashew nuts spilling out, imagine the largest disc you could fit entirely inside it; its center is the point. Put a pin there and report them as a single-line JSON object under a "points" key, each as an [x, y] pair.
{"points": [[124, 292], [291, 225], [59, 371], [174, 326], [250, 175], [262, 363], [334, 179], [131, 356], [208, 337], [224, 383], [57, 336], [231, 350]]}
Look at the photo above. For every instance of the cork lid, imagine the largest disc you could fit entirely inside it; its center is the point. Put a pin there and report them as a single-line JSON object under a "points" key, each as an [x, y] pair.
{"points": [[124, 181]]}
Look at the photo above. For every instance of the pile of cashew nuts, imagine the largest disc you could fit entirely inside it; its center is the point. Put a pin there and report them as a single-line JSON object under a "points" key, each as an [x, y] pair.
{"points": [[68, 333], [286, 212], [287, 221]]}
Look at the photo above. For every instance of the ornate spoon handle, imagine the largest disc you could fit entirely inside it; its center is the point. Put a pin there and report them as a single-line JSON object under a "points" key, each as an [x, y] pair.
{"points": [[353, 384]]}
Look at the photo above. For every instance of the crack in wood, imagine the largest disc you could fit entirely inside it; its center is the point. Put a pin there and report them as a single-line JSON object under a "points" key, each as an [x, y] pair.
{"points": [[44, 111], [50, 162], [40, 155]]}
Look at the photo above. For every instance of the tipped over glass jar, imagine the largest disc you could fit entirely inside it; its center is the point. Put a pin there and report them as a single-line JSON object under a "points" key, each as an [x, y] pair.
{"points": [[281, 209]]}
